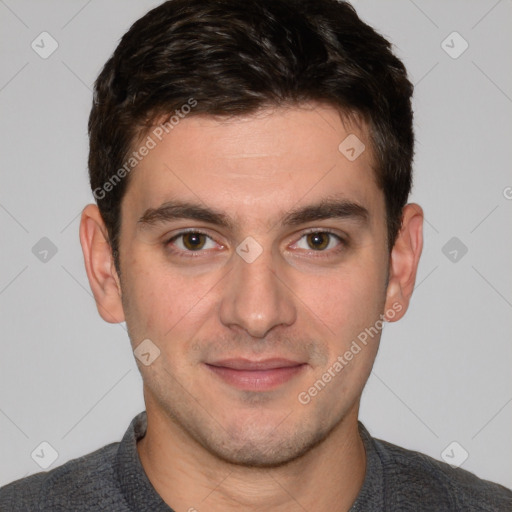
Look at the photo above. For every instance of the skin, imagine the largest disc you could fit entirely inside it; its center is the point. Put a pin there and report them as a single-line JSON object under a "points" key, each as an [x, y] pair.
{"points": [[210, 445]]}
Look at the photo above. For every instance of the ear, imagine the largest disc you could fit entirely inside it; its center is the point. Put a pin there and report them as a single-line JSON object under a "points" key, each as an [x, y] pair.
{"points": [[99, 264], [404, 260]]}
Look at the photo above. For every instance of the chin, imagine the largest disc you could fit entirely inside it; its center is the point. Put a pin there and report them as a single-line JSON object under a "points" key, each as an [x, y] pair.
{"points": [[270, 450]]}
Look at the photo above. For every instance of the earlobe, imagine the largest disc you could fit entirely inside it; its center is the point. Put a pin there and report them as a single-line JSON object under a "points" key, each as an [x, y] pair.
{"points": [[404, 261], [99, 265]]}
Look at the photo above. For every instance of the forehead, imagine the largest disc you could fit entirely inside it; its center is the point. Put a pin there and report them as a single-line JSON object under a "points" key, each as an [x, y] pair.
{"points": [[259, 164]]}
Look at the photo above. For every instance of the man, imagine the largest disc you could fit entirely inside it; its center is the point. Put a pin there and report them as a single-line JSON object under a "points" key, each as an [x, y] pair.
{"points": [[251, 163]]}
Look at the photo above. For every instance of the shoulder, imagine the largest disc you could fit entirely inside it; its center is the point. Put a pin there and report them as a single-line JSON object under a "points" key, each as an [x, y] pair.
{"points": [[428, 480], [76, 485]]}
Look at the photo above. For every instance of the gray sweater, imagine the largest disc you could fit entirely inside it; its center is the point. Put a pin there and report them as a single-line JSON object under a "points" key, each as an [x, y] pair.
{"points": [[112, 479]]}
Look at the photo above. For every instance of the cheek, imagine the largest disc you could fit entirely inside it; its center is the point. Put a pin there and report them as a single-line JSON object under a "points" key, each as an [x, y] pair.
{"points": [[149, 302], [159, 303], [350, 303], [167, 306], [346, 300]]}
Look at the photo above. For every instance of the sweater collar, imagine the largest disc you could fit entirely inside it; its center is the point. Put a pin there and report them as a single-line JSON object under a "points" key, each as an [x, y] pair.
{"points": [[140, 494], [137, 490]]}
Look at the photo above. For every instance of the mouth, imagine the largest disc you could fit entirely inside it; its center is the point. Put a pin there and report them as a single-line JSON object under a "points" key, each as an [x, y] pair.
{"points": [[251, 375]]}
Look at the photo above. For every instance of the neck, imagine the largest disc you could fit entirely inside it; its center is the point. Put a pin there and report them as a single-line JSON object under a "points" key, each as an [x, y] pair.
{"points": [[188, 477]]}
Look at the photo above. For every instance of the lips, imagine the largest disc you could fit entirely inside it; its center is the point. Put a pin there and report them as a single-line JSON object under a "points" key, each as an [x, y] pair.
{"points": [[247, 364], [253, 375]]}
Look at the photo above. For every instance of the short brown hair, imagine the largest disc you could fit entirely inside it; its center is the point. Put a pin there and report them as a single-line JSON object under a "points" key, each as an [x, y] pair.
{"points": [[235, 57]]}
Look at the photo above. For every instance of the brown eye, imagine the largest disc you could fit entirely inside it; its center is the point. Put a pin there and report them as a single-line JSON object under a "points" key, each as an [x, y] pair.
{"points": [[191, 243], [318, 241], [322, 242], [194, 241]]}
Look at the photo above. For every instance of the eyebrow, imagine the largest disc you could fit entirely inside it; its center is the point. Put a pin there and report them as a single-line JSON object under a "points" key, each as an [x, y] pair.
{"points": [[172, 210], [325, 209]]}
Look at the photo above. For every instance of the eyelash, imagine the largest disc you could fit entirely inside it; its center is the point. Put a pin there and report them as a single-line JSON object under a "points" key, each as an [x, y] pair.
{"points": [[180, 252], [316, 254]]}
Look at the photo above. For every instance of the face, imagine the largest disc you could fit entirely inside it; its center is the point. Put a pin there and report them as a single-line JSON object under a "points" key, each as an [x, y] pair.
{"points": [[253, 256]]}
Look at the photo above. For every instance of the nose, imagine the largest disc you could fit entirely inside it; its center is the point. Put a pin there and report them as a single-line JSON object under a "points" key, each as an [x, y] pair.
{"points": [[256, 297]]}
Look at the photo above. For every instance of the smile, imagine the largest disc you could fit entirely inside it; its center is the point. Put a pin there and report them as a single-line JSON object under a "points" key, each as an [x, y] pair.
{"points": [[256, 375]]}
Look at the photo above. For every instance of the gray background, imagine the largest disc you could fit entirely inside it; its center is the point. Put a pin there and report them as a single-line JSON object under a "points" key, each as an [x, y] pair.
{"points": [[443, 372]]}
